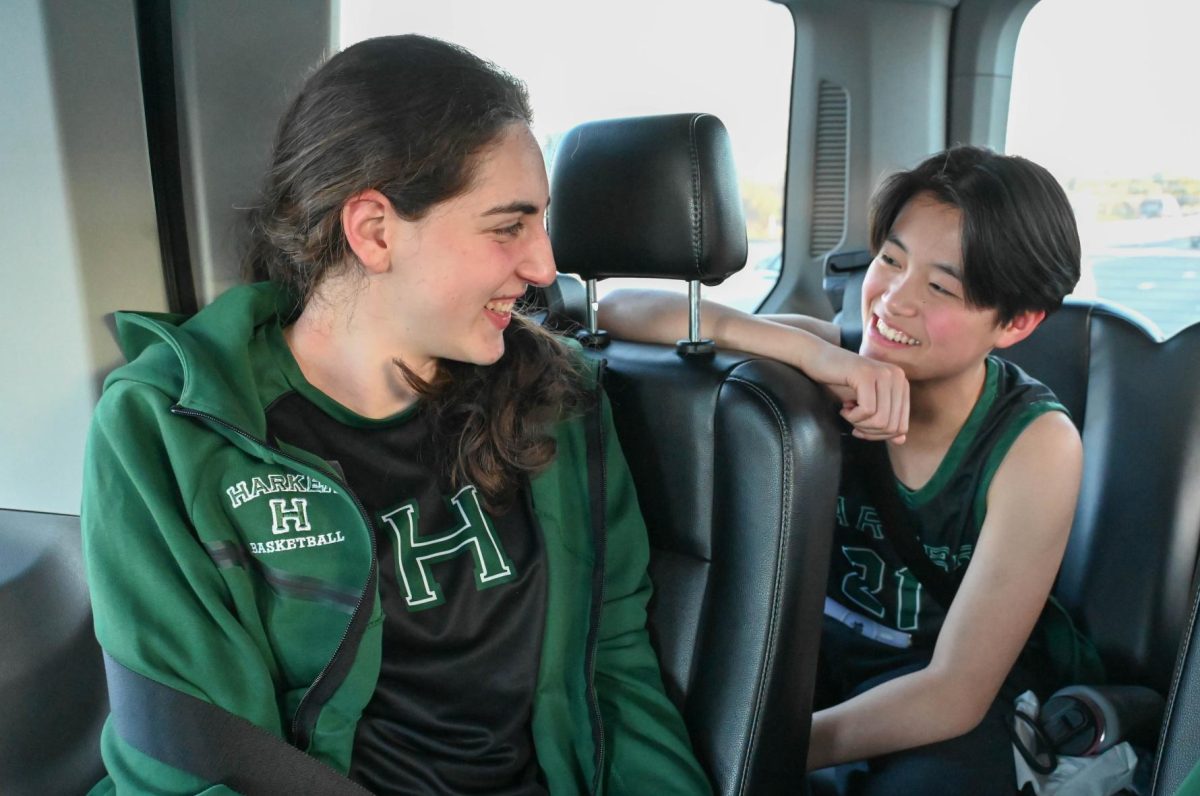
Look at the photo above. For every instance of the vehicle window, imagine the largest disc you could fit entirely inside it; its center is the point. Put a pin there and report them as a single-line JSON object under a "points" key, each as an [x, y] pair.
{"points": [[1105, 106], [731, 58]]}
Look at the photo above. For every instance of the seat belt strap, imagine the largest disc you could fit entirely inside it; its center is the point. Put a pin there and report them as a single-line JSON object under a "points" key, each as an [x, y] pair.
{"points": [[597, 479], [213, 744], [898, 524]]}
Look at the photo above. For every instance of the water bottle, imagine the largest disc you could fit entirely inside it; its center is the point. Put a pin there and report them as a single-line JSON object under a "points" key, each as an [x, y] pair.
{"points": [[1087, 720]]}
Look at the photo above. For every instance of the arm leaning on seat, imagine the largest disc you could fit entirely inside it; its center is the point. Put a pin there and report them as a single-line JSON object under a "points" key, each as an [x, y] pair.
{"points": [[874, 395], [1031, 503]]}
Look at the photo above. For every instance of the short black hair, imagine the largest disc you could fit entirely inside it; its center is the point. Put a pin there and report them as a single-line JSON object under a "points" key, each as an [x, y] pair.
{"points": [[1020, 244]]}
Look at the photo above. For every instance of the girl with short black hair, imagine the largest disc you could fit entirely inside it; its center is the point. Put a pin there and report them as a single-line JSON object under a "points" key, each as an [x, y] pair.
{"points": [[972, 250]]}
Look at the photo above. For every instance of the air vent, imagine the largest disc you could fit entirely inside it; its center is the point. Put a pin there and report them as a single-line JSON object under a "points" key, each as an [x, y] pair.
{"points": [[829, 174]]}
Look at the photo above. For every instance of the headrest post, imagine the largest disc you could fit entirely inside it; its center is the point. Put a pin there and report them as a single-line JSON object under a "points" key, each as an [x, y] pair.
{"points": [[593, 306], [694, 345], [592, 336], [694, 311]]}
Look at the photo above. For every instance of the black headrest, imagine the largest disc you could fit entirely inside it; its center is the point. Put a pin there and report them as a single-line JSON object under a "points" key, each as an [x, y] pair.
{"points": [[654, 196]]}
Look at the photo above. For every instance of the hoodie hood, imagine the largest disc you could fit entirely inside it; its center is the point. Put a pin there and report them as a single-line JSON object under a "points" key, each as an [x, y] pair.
{"points": [[216, 362]]}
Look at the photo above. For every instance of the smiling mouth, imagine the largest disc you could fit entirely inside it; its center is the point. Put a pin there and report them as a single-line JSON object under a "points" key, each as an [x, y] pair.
{"points": [[500, 306], [895, 335]]}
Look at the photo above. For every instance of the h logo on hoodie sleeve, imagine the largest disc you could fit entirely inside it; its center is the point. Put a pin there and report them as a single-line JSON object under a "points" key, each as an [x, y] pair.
{"points": [[292, 513]]}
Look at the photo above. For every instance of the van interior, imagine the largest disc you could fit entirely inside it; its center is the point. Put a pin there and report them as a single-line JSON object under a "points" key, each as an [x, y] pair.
{"points": [[136, 130]]}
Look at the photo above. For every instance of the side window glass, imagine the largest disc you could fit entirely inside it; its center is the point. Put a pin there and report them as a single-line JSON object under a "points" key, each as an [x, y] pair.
{"points": [[731, 58], [1100, 96]]}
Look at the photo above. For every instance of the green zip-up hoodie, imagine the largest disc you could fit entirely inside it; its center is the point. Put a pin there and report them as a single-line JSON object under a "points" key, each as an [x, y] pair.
{"points": [[181, 487]]}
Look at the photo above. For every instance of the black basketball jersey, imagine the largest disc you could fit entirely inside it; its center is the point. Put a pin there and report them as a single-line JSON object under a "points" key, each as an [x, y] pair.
{"points": [[463, 598], [866, 574]]}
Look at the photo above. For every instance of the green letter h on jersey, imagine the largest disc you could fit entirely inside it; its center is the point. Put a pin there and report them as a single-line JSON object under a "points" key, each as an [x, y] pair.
{"points": [[415, 553]]}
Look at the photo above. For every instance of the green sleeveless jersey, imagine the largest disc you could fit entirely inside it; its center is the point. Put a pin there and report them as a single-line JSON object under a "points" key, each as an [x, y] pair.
{"points": [[866, 574]]}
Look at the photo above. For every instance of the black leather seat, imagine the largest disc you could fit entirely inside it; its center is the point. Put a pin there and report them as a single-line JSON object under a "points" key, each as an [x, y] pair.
{"points": [[1179, 751], [1130, 564], [735, 458], [53, 700]]}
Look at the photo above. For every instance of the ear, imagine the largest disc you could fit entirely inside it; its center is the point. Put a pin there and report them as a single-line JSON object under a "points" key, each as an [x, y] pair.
{"points": [[365, 218], [1020, 327]]}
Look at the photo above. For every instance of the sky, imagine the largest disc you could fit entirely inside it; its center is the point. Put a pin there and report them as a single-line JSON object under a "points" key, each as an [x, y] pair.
{"points": [[1108, 88]]}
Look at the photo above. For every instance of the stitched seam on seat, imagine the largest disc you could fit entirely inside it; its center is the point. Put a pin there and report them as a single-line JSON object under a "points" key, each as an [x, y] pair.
{"points": [[781, 549], [1087, 368], [1176, 679], [697, 215]]}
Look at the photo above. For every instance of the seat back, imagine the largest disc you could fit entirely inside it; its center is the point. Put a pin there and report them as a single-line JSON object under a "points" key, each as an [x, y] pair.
{"points": [[53, 700], [736, 463], [1179, 749], [735, 458], [1129, 568]]}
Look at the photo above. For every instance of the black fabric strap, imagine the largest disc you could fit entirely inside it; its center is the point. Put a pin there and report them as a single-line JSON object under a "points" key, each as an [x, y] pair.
{"points": [[597, 486], [213, 744], [872, 460]]}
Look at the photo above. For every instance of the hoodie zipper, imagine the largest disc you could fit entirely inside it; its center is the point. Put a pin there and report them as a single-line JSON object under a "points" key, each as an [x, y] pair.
{"points": [[300, 734], [600, 542]]}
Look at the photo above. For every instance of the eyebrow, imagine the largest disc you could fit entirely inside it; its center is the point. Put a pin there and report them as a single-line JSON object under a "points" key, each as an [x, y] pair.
{"points": [[950, 270], [524, 208]]}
